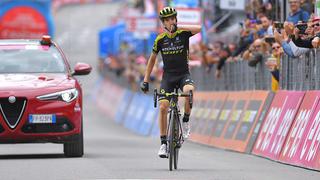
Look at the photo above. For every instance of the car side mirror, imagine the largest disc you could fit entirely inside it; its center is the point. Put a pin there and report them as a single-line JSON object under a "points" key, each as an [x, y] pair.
{"points": [[82, 69]]}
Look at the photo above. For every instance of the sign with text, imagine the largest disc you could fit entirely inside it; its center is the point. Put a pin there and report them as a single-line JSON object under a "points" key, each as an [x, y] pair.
{"points": [[189, 16], [237, 134], [277, 123], [25, 19], [141, 24], [302, 145], [232, 4]]}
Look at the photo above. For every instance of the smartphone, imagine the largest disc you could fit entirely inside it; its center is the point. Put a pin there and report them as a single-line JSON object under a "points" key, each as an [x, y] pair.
{"points": [[269, 39], [278, 25]]}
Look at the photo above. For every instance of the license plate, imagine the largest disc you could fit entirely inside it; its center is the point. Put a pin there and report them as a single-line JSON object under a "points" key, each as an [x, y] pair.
{"points": [[42, 118]]}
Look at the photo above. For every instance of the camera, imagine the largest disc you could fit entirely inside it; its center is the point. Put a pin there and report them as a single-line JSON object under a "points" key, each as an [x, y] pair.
{"points": [[302, 28], [278, 26]]}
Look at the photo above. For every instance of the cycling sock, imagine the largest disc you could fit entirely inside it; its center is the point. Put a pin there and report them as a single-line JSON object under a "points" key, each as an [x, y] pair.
{"points": [[163, 139], [186, 117]]}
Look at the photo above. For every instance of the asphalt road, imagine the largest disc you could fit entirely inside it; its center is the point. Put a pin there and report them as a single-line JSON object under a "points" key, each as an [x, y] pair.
{"points": [[112, 152]]}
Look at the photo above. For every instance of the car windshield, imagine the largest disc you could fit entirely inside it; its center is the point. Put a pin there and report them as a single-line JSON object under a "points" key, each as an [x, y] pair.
{"points": [[31, 59]]}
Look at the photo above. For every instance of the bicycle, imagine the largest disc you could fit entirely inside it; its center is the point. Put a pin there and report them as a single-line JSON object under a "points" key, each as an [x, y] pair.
{"points": [[174, 130]]}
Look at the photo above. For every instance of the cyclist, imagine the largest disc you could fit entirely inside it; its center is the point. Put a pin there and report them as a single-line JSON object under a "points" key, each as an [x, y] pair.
{"points": [[174, 47]]}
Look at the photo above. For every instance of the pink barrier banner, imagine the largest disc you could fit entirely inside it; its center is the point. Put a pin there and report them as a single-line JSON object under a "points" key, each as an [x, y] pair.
{"points": [[277, 123], [302, 145]]}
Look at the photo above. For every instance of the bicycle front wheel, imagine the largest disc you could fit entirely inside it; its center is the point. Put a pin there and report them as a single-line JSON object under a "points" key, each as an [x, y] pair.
{"points": [[176, 140], [171, 139]]}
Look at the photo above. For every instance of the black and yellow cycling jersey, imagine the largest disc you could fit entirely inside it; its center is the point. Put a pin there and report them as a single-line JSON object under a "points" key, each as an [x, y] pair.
{"points": [[174, 50]]}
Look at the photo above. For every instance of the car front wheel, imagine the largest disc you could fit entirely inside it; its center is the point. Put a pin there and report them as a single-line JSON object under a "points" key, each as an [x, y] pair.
{"points": [[74, 149]]}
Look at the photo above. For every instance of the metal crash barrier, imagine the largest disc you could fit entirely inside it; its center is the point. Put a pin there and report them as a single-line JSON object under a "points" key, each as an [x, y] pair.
{"points": [[300, 73], [236, 76]]}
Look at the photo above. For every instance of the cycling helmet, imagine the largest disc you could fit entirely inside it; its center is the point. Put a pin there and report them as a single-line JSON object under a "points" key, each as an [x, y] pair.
{"points": [[167, 12]]}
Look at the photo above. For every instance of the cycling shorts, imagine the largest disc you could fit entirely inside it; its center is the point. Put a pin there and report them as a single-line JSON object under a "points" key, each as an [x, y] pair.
{"points": [[171, 81]]}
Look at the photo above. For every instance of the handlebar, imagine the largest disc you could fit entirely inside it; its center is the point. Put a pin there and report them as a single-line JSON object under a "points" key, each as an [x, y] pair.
{"points": [[173, 94]]}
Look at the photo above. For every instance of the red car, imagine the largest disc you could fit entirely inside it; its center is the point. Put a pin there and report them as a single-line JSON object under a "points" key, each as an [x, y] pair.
{"points": [[40, 100]]}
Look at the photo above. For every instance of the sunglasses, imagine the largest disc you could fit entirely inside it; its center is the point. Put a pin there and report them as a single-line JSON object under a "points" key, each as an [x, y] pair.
{"points": [[316, 25], [276, 47]]}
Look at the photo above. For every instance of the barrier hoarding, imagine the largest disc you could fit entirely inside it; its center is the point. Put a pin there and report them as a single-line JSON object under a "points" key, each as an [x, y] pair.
{"points": [[277, 123], [260, 117], [155, 131], [196, 114], [149, 117], [219, 100], [109, 92], [243, 136], [212, 104], [242, 121], [302, 144], [123, 106], [229, 118]]}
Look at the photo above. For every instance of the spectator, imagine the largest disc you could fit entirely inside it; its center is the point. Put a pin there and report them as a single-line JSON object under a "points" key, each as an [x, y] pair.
{"points": [[307, 5], [246, 38], [214, 54], [224, 55], [287, 44], [256, 56], [296, 13], [266, 29], [273, 64], [256, 53], [311, 42]]}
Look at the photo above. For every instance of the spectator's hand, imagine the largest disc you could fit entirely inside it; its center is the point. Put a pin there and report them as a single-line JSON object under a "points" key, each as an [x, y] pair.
{"points": [[277, 36], [144, 87], [288, 27], [218, 74], [315, 42], [296, 33], [230, 59]]}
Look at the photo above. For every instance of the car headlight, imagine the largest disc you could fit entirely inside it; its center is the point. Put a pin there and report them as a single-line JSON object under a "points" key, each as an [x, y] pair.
{"points": [[66, 96]]}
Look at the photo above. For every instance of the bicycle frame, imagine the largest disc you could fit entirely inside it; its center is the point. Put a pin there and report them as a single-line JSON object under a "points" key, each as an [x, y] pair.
{"points": [[175, 111]]}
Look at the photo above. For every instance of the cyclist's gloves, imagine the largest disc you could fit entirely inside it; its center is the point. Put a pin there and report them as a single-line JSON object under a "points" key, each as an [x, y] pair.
{"points": [[174, 28], [144, 87]]}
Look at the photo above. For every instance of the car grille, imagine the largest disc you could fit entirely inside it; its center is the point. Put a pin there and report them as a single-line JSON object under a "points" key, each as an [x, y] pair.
{"points": [[12, 112]]}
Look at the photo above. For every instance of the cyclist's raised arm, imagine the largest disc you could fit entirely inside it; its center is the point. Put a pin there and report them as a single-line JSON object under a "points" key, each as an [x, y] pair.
{"points": [[151, 62], [193, 28]]}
